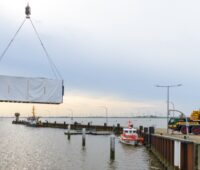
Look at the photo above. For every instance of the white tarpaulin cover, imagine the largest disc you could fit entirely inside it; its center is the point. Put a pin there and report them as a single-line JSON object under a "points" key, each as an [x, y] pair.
{"points": [[31, 90]]}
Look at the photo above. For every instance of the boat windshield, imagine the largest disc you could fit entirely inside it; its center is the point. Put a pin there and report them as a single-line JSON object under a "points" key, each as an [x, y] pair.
{"points": [[129, 131]]}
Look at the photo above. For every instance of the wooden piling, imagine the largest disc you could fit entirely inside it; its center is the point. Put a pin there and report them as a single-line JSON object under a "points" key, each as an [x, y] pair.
{"points": [[83, 137], [140, 130], [68, 133], [151, 131], [112, 147], [145, 136]]}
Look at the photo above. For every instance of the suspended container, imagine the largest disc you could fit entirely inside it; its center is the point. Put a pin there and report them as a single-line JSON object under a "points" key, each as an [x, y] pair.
{"points": [[31, 90]]}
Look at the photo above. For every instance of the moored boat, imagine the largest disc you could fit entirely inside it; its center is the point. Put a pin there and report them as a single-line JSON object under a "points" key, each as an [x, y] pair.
{"points": [[32, 120], [130, 136]]}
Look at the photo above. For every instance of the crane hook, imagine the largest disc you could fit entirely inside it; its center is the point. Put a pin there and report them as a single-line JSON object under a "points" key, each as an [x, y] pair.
{"points": [[28, 11]]}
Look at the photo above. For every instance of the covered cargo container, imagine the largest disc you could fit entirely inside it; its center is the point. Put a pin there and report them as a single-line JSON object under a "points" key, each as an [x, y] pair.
{"points": [[31, 90]]}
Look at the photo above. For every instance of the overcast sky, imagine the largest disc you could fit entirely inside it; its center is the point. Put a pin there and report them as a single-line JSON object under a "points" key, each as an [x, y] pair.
{"points": [[110, 53]]}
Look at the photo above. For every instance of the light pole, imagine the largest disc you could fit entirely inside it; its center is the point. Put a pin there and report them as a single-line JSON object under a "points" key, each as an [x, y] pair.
{"points": [[173, 107], [72, 113], [106, 110], [168, 86], [186, 120]]}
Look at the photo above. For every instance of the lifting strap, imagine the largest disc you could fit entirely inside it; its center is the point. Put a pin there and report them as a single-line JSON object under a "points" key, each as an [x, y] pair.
{"points": [[52, 65]]}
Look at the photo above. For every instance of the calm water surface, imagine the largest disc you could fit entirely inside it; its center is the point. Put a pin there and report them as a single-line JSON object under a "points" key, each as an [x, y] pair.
{"points": [[29, 148]]}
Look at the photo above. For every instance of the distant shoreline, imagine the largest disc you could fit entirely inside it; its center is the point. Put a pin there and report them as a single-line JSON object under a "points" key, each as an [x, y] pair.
{"points": [[89, 117]]}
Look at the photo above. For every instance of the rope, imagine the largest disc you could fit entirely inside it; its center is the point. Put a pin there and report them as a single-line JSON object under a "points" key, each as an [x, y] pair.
{"points": [[53, 66], [9, 44]]}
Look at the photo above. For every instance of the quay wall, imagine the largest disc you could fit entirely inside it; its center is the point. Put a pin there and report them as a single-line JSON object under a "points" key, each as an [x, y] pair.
{"points": [[175, 153]]}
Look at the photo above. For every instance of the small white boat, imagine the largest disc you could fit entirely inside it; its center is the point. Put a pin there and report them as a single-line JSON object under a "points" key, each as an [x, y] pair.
{"points": [[130, 136]]}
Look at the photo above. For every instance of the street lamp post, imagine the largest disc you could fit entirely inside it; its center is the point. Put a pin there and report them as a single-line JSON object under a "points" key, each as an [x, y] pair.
{"points": [[173, 107], [168, 87], [106, 110], [72, 113]]}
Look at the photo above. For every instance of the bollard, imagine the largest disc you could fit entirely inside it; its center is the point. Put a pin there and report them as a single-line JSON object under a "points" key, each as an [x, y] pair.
{"points": [[83, 137], [112, 147], [68, 134]]}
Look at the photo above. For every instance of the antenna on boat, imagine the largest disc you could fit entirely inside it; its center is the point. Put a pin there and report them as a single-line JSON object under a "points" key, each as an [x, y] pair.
{"points": [[33, 111], [130, 124]]}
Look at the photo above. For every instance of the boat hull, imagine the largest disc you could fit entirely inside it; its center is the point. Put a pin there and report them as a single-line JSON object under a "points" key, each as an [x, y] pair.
{"points": [[128, 142]]}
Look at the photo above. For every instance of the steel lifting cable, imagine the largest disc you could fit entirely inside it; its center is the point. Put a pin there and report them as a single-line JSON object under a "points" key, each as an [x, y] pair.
{"points": [[53, 66], [9, 44]]}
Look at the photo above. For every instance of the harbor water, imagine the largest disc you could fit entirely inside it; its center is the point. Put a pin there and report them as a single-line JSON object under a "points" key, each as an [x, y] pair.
{"points": [[23, 148]]}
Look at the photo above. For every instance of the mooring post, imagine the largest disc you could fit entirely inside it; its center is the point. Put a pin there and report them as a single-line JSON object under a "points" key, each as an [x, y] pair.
{"points": [[145, 135], [140, 130], [118, 128], [83, 137], [112, 147], [151, 131], [46, 123], [68, 132]]}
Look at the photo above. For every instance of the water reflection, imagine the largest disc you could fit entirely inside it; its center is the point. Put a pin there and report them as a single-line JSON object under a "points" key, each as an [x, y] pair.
{"points": [[112, 165], [29, 148]]}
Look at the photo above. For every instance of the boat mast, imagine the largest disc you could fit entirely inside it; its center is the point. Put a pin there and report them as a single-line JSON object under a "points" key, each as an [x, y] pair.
{"points": [[33, 111]]}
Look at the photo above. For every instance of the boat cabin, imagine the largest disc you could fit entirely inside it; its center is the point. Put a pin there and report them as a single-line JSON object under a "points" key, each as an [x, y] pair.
{"points": [[129, 131]]}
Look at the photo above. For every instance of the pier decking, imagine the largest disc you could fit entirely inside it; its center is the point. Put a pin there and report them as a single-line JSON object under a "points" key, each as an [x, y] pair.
{"points": [[78, 132], [93, 129]]}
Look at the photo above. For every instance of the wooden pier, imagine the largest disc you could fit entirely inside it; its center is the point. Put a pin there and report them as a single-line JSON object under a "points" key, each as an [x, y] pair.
{"points": [[93, 129], [88, 132]]}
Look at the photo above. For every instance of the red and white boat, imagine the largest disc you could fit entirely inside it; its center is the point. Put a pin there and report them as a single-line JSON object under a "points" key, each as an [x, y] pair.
{"points": [[130, 136]]}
